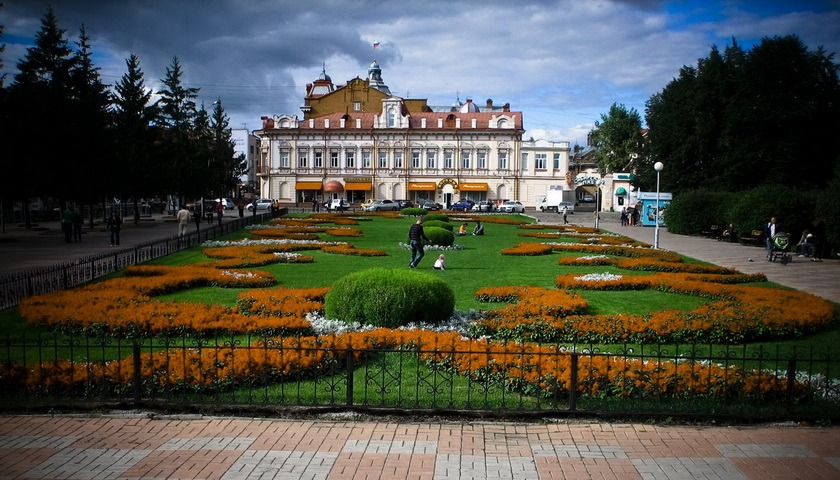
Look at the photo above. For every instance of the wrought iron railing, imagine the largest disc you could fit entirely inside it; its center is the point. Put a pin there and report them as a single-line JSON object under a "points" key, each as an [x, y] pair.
{"points": [[277, 375], [17, 286]]}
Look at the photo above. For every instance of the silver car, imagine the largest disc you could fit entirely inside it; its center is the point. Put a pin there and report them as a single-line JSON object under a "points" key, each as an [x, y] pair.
{"points": [[382, 205], [512, 206]]}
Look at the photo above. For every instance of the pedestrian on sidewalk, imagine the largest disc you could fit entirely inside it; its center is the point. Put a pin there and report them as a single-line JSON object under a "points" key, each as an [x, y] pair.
{"points": [[67, 224], [114, 225], [220, 211], [565, 212], [183, 217], [77, 225]]}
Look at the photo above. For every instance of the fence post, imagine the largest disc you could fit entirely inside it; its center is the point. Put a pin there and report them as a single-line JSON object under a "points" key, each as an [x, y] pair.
{"points": [[135, 377], [64, 278], [573, 383], [349, 376], [791, 382]]}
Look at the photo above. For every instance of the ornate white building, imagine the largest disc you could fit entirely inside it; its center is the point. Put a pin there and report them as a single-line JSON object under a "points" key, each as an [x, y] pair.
{"points": [[358, 141]]}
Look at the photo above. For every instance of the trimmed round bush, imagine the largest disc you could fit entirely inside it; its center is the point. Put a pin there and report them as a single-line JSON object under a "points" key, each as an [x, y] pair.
{"points": [[437, 216], [413, 212], [440, 236], [390, 298], [437, 223]]}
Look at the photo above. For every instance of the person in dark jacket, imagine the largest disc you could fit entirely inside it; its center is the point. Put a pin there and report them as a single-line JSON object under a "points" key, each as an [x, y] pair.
{"points": [[416, 235], [114, 225]]}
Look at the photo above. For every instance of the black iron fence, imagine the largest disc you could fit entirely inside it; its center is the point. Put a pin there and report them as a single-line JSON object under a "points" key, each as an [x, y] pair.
{"points": [[17, 286], [276, 375]]}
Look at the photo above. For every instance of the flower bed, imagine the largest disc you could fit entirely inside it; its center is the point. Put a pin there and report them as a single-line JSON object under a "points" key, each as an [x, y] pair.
{"points": [[125, 307], [528, 368]]}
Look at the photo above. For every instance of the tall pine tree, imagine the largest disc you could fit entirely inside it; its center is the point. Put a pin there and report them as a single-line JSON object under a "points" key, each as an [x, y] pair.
{"points": [[135, 138]]}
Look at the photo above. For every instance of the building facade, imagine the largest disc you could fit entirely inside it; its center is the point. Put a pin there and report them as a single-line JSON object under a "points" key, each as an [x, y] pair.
{"points": [[357, 141]]}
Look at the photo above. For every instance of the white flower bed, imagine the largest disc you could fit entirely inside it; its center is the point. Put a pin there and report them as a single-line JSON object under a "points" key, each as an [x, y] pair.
{"points": [[247, 242], [458, 322], [599, 277], [239, 275], [437, 248]]}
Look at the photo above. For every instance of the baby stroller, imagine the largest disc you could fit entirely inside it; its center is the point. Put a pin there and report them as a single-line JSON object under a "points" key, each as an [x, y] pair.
{"points": [[781, 243]]}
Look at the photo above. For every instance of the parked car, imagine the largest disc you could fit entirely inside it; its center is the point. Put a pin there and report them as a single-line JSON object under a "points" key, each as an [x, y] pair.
{"points": [[381, 205], [366, 203], [405, 203], [512, 206], [227, 203], [337, 204], [262, 204], [587, 198], [484, 206], [570, 207], [463, 205], [429, 205]]}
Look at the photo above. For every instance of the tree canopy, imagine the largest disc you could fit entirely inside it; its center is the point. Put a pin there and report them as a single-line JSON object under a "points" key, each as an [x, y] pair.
{"points": [[747, 118], [618, 139], [89, 141]]}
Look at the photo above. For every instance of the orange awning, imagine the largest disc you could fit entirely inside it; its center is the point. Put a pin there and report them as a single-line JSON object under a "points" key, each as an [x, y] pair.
{"points": [[358, 186], [473, 187], [308, 186], [414, 186]]}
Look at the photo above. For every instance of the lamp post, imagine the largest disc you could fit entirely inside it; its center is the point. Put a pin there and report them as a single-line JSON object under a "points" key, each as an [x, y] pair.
{"points": [[598, 185], [658, 166]]}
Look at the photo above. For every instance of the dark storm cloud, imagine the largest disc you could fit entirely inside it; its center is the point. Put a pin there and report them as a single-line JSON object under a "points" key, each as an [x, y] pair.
{"points": [[561, 62]]}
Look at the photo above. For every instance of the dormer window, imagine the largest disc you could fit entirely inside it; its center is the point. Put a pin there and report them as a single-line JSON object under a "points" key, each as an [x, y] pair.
{"points": [[392, 117]]}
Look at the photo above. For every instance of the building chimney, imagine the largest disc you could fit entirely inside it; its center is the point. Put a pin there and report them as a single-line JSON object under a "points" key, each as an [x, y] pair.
{"points": [[506, 107], [490, 103]]}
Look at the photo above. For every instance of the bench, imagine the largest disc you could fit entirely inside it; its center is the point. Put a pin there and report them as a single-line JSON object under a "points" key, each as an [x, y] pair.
{"points": [[713, 231], [754, 238]]}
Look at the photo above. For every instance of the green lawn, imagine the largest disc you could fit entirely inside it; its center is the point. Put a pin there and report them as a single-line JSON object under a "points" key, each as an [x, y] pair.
{"points": [[479, 264]]}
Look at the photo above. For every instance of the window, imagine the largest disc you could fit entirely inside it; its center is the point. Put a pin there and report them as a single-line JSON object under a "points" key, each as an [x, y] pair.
{"points": [[365, 158], [465, 160], [539, 161], [302, 158], [334, 160], [357, 106], [415, 159], [392, 117], [383, 159], [398, 162], [350, 158], [503, 160], [524, 161], [557, 161], [319, 159], [447, 159], [284, 159], [482, 159], [431, 161]]}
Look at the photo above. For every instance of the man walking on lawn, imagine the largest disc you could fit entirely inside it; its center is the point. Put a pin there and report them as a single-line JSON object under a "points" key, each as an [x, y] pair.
{"points": [[416, 235]]}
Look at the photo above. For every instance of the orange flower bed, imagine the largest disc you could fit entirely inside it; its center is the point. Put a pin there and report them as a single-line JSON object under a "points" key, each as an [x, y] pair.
{"points": [[737, 313], [528, 249], [124, 305], [522, 367]]}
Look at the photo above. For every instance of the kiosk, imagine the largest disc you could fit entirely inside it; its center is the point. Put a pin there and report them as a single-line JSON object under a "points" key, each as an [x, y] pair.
{"points": [[649, 215]]}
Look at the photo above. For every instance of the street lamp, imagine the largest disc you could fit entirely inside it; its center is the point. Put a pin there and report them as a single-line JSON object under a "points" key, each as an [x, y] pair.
{"points": [[658, 166], [598, 185]]}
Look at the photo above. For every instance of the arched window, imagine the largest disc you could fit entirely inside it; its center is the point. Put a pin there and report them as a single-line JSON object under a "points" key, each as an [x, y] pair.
{"points": [[392, 117]]}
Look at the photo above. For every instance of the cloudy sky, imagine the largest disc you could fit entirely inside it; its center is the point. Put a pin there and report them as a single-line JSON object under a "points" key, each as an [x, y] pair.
{"points": [[560, 62]]}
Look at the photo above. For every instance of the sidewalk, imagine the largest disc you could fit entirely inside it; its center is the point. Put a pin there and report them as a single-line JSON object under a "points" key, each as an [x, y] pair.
{"points": [[43, 245], [139, 447]]}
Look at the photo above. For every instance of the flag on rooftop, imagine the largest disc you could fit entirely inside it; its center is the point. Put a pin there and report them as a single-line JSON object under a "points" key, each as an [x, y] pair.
{"points": [[375, 44]]}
